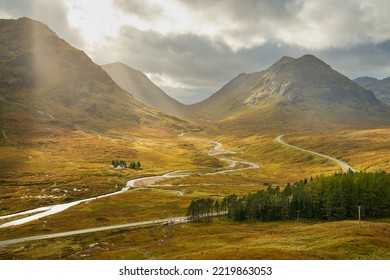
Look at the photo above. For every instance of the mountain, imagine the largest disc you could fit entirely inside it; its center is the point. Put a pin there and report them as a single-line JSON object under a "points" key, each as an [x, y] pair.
{"points": [[364, 81], [305, 92], [139, 85], [381, 88], [43, 73]]}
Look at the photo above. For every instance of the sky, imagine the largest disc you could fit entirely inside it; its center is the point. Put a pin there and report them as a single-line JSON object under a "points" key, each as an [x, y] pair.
{"points": [[192, 48]]}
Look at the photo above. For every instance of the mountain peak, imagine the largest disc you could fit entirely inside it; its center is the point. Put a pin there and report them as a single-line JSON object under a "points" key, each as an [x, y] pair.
{"points": [[284, 60], [26, 24], [306, 63], [311, 60], [365, 81], [309, 56], [310, 77]]}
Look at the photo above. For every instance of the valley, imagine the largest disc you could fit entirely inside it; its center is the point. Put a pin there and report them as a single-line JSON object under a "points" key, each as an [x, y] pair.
{"points": [[144, 203]]}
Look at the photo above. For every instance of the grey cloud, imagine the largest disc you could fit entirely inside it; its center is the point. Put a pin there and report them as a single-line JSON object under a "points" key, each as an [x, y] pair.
{"points": [[363, 60], [189, 58], [242, 20], [312, 24], [138, 8], [247, 10]]}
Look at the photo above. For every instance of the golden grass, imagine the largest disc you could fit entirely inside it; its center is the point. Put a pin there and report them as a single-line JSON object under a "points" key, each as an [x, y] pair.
{"points": [[219, 240], [365, 149]]}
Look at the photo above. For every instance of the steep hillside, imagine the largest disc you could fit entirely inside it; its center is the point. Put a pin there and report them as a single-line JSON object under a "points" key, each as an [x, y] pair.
{"points": [[42, 72], [381, 88], [139, 85], [304, 92], [229, 96]]}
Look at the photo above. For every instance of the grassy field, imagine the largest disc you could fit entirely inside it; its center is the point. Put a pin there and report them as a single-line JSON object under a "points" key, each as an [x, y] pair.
{"points": [[365, 149], [54, 164], [220, 240]]}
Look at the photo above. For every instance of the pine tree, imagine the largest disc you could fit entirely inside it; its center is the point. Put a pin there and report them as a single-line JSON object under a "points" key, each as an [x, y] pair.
{"points": [[132, 165]]}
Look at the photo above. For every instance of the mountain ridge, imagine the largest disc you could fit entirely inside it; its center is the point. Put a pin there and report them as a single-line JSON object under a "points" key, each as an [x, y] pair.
{"points": [[381, 88], [142, 88]]}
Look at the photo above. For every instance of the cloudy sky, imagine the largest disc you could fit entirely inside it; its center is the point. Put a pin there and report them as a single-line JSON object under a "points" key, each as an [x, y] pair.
{"points": [[192, 48]]}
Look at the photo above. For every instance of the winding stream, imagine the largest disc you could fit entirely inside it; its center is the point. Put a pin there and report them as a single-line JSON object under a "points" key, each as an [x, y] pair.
{"points": [[41, 212]]}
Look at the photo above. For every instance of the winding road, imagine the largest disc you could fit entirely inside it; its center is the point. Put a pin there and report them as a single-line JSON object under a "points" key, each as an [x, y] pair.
{"points": [[343, 164]]}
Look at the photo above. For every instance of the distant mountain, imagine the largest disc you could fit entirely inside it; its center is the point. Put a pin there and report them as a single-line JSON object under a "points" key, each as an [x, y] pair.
{"points": [[364, 81], [305, 92], [142, 88], [41, 71], [381, 88]]}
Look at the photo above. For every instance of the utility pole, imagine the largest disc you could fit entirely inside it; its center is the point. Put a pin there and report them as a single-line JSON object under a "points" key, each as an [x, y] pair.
{"points": [[359, 215]]}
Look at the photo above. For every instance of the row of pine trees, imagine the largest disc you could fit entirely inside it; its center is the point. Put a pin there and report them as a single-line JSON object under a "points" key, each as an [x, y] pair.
{"points": [[335, 197]]}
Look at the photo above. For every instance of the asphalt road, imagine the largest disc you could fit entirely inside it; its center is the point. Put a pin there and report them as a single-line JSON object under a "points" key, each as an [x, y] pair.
{"points": [[343, 164], [89, 230]]}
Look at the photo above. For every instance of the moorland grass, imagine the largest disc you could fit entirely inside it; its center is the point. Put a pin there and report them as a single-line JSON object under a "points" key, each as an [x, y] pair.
{"points": [[220, 240], [67, 165], [364, 149]]}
